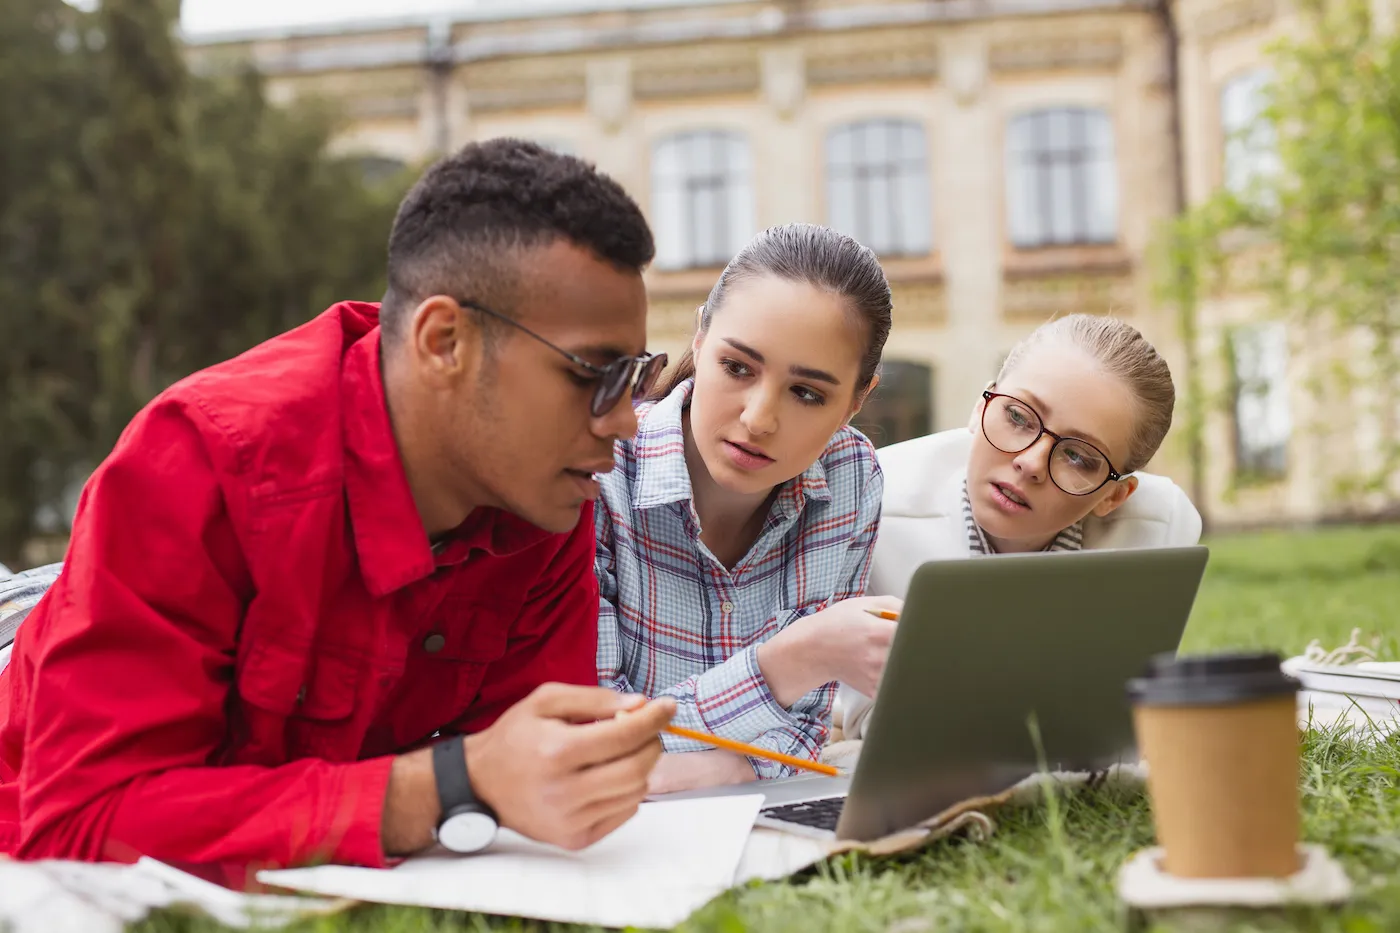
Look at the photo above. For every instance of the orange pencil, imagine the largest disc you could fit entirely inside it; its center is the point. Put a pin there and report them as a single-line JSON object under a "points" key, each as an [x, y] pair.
{"points": [[745, 749], [884, 614]]}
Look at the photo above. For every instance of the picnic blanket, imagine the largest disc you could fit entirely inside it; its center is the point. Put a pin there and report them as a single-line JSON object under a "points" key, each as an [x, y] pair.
{"points": [[976, 816], [81, 897], [19, 593]]}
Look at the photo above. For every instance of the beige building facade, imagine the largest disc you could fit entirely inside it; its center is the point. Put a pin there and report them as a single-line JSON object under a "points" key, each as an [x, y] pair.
{"points": [[1284, 442], [1010, 160]]}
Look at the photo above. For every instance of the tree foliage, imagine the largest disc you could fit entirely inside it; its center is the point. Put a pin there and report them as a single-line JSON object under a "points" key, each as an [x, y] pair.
{"points": [[1319, 233], [152, 222]]}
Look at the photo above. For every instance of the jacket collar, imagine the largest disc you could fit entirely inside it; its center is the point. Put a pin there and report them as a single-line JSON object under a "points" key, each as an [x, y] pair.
{"points": [[390, 541]]}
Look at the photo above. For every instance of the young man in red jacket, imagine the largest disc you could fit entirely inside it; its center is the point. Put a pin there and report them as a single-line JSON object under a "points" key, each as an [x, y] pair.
{"points": [[303, 575]]}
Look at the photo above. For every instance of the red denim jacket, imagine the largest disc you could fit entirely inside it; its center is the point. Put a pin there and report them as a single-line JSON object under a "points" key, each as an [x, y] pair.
{"points": [[250, 623]]}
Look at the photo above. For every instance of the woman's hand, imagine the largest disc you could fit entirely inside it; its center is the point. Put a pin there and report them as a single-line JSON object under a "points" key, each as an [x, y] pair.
{"points": [[855, 643], [677, 771], [843, 642]]}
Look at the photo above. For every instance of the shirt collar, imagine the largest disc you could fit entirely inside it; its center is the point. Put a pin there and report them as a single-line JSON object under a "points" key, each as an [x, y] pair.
{"points": [[977, 542], [1070, 539], [664, 478], [390, 541]]}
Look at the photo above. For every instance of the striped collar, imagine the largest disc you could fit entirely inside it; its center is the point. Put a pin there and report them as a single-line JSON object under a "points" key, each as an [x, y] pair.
{"points": [[1071, 539]]}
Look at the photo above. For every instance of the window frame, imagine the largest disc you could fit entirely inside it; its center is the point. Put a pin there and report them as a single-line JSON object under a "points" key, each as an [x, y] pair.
{"points": [[1032, 167], [726, 179], [1248, 148], [1260, 389], [905, 174]]}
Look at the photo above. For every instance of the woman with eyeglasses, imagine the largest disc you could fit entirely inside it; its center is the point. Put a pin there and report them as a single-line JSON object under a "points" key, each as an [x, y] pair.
{"points": [[1050, 461], [735, 533]]}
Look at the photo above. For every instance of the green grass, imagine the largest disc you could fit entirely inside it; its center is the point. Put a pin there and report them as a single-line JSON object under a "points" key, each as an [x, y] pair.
{"points": [[1053, 867]]}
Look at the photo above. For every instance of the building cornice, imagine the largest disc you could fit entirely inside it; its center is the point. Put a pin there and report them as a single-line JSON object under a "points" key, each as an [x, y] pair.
{"points": [[340, 49]]}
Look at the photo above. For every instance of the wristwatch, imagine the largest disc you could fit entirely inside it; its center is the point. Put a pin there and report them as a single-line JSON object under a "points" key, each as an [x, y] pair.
{"points": [[467, 824]]}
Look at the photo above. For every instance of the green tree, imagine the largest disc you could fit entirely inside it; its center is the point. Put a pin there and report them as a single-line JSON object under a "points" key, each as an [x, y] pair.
{"points": [[152, 222], [1318, 233], [141, 156], [49, 226]]}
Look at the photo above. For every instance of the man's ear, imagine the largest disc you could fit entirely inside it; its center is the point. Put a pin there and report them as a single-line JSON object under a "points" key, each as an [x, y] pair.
{"points": [[443, 339], [862, 397], [1121, 491]]}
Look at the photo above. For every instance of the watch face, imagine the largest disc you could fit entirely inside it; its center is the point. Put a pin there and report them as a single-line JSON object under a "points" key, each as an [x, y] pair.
{"points": [[467, 832]]}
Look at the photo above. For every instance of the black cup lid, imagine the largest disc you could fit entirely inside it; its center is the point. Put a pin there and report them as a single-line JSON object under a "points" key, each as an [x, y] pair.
{"points": [[1202, 680]]}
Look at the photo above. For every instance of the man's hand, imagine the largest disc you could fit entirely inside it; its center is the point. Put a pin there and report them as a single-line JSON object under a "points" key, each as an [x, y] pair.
{"points": [[562, 767], [843, 642]]}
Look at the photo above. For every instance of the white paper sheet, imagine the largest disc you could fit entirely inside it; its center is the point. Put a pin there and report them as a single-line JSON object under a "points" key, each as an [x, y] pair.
{"points": [[655, 871], [771, 855]]}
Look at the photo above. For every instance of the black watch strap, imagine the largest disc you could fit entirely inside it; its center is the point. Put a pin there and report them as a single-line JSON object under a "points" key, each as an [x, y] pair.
{"points": [[454, 787]]}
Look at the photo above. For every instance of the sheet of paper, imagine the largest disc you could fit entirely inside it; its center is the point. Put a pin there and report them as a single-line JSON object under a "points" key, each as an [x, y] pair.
{"points": [[667, 861], [771, 855]]}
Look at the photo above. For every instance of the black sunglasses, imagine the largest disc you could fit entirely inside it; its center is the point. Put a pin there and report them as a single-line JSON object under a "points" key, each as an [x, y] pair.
{"points": [[637, 372]]}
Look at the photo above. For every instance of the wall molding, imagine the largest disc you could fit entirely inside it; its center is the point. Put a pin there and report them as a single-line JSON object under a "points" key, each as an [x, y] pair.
{"points": [[285, 52]]}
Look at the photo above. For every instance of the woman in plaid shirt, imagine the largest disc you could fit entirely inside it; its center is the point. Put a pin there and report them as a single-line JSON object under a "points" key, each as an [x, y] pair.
{"points": [[735, 534]]}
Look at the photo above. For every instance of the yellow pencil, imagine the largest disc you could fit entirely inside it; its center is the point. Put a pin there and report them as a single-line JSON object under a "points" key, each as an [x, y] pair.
{"points": [[884, 614], [744, 748]]}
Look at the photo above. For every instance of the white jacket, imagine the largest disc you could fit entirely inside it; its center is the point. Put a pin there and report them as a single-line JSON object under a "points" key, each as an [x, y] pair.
{"points": [[922, 520]]}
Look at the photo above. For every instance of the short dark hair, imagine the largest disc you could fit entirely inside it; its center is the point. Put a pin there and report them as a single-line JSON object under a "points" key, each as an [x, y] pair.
{"points": [[497, 196], [817, 256]]}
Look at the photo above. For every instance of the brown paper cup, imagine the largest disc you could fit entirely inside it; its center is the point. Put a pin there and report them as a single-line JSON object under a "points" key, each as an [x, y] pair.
{"points": [[1220, 738]]}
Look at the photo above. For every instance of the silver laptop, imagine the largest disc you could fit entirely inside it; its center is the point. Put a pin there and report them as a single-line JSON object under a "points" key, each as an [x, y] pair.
{"points": [[985, 648]]}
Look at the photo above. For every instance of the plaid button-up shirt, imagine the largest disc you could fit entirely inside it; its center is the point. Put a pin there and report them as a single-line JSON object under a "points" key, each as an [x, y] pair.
{"points": [[675, 621]]}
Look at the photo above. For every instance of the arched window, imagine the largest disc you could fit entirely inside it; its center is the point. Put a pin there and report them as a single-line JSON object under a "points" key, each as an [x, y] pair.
{"points": [[877, 186], [1263, 420], [1062, 178], [702, 198], [1251, 147]]}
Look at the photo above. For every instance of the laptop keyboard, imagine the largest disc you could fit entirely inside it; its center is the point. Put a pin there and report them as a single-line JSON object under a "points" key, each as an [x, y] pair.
{"points": [[818, 814]]}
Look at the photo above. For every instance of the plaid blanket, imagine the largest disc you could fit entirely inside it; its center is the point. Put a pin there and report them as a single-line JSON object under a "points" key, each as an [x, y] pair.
{"points": [[19, 593]]}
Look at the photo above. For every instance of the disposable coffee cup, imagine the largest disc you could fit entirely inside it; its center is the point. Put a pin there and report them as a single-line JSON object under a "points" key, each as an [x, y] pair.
{"points": [[1219, 734]]}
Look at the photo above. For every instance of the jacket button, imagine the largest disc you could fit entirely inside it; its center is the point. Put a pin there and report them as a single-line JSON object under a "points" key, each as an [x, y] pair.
{"points": [[434, 643]]}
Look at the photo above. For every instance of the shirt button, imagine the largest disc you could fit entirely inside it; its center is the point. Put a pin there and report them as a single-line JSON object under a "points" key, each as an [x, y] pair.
{"points": [[434, 643], [726, 606]]}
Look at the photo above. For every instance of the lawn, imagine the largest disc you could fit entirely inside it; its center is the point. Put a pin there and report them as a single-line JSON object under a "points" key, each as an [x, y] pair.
{"points": [[1052, 868]]}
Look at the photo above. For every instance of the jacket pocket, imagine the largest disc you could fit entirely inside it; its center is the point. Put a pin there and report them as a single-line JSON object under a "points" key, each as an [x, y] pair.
{"points": [[293, 706], [287, 682]]}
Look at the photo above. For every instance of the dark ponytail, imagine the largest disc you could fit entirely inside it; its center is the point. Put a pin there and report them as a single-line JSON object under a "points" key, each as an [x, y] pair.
{"points": [[812, 255], [681, 370]]}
